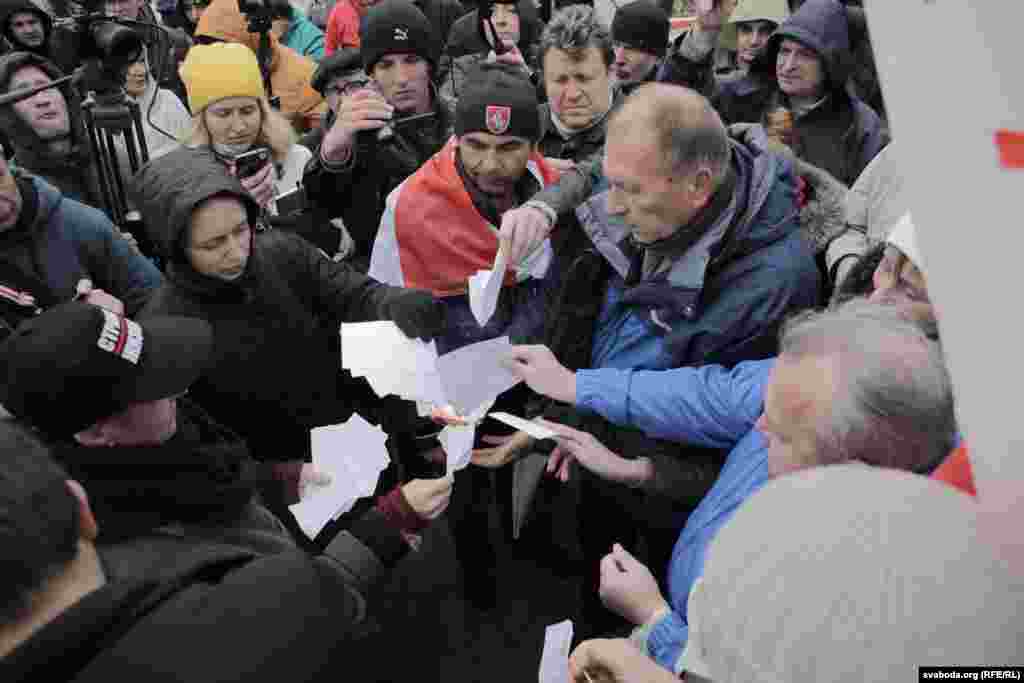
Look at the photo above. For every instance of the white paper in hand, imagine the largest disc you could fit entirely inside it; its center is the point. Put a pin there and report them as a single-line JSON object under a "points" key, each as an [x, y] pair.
{"points": [[457, 440], [475, 374], [554, 660], [485, 288], [531, 428], [354, 455], [391, 362]]}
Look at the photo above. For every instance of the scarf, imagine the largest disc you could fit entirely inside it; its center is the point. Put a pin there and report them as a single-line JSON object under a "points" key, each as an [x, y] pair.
{"points": [[644, 257], [567, 133]]}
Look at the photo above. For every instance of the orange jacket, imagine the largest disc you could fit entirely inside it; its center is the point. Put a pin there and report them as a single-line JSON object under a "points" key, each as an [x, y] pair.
{"points": [[431, 236], [290, 72]]}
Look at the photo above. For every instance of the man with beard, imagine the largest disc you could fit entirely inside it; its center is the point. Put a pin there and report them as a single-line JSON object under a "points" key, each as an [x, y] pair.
{"points": [[438, 230], [438, 227]]}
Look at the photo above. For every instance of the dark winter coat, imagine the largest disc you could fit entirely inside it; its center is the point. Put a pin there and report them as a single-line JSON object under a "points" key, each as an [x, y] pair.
{"points": [[213, 612], [277, 368], [58, 242], [357, 192], [842, 134]]}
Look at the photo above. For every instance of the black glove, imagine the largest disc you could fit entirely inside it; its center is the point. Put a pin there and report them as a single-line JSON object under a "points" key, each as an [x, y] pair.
{"points": [[416, 312]]}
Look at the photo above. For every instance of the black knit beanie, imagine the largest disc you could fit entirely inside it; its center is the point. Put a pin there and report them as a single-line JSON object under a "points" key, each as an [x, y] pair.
{"points": [[641, 25], [500, 100], [393, 27]]}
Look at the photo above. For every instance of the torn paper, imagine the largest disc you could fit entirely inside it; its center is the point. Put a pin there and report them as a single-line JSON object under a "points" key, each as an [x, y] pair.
{"points": [[353, 454], [532, 428], [554, 660], [475, 374], [457, 439], [485, 288]]}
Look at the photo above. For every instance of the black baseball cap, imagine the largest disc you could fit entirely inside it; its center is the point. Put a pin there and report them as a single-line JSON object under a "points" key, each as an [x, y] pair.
{"points": [[77, 363]]}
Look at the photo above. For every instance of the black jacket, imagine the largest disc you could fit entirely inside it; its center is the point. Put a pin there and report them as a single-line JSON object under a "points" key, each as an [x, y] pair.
{"points": [[202, 475], [277, 369], [465, 47], [442, 15], [579, 147], [357, 193], [219, 613]]}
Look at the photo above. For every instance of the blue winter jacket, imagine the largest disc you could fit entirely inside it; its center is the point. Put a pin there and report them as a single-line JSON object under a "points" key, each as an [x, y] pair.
{"points": [[304, 37], [706, 406], [723, 299], [68, 241]]}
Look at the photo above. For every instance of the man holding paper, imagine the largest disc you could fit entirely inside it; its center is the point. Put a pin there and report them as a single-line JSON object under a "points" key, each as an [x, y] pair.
{"points": [[439, 233], [694, 256], [438, 230]]}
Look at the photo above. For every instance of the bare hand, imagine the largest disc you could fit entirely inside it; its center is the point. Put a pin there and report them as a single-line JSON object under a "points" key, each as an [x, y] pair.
{"points": [[584, 448], [629, 589], [542, 372], [98, 297], [523, 230], [429, 497], [365, 109], [507, 449], [615, 661], [712, 15], [260, 185]]}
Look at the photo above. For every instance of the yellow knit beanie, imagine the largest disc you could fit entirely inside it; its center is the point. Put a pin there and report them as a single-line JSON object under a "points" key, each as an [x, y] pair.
{"points": [[213, 72]]}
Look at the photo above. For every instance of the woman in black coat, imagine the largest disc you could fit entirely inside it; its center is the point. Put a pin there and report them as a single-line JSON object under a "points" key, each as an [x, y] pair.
{"points": [[275, 303]]}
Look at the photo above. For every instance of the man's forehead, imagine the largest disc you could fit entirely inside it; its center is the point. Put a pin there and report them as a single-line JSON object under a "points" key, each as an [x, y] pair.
{"points": [[797, 46], [583, 59], [399, 56], [494, 140], [29, 74], [25, 15]]}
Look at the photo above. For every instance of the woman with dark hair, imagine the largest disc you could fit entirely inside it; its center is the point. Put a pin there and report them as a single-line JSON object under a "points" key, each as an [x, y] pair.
{"points": [[518, 27]]}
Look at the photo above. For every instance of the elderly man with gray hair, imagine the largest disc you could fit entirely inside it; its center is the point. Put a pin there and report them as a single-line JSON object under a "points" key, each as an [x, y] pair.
{"points": [[864, 382], [694, 257]]}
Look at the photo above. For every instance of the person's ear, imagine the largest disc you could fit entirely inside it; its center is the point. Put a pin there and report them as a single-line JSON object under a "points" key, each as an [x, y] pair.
{"points": [[88, 529], [702, 185]]}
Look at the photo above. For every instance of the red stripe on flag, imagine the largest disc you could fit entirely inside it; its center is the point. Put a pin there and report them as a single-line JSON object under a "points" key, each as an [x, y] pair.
{"points": [[1011, 148]]}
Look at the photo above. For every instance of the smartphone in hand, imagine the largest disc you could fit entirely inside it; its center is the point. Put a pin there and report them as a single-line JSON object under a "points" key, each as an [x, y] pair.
{"points": [[249, 163]]}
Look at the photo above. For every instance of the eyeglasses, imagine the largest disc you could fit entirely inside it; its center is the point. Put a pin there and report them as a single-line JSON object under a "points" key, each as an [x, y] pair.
{"points": [[347, 88]]}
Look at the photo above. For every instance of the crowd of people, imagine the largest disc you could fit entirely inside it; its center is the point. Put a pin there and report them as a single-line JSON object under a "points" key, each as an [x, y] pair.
{"points": [[714, 294]]}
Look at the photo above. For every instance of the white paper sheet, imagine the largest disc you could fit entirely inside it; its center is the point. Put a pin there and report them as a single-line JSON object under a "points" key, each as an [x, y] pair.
{"points": [[531, 428], [411, 369], [457, 443], [475, 374], [354, 455], [391, 362], [485, 288], [554, 660]]}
